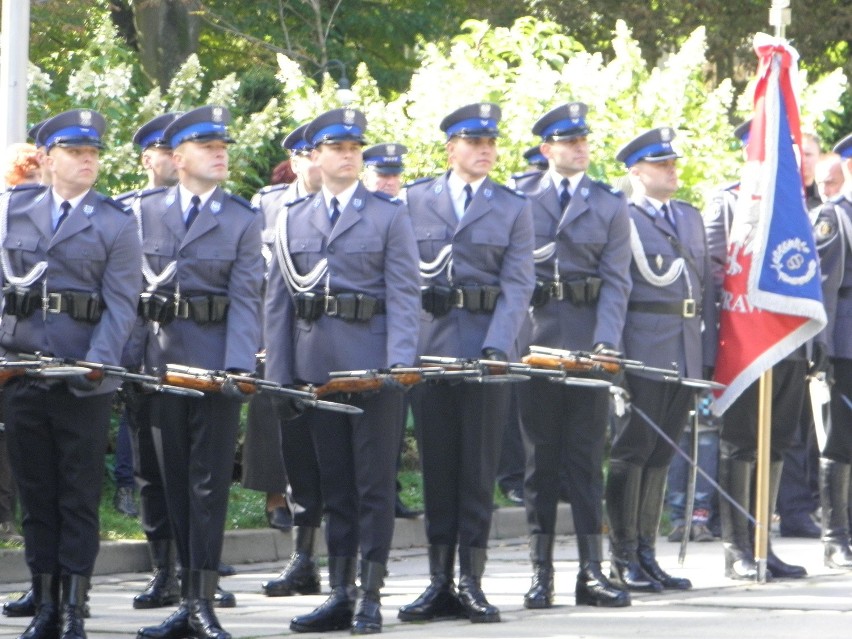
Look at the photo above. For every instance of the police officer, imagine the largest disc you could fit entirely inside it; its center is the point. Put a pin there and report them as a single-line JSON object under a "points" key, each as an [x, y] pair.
{"points": [[345, 296], [536, 160], [296, 449], [671, 298], [833, 229], [203, 244], [579, 303], [70, 268], [383, 167], [738, 438], [473, 309]]}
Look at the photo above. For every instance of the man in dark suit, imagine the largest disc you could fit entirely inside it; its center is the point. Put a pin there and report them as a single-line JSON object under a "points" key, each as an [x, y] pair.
{"points": [[580, 303], [70, 269], [475, 240], [205, 245], [671, 300], [346, 296]]}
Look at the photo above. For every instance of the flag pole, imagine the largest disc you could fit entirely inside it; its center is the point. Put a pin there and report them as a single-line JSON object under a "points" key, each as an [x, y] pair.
{"points": [[779, 17]]}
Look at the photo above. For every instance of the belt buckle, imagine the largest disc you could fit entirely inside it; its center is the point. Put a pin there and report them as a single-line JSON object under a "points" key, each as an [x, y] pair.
{"points": [[689, 308], [182, 309], [330, 306], [458, 298], [557, 291], [54, 303]]}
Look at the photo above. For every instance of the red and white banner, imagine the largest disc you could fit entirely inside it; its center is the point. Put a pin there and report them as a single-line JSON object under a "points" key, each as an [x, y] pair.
{"points": [[772, 300]]}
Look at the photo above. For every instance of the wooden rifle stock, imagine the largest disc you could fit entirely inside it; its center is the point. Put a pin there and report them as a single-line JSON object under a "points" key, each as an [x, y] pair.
{"points": [[573, 363], [364, 384], [203, 383], [8, 373]]}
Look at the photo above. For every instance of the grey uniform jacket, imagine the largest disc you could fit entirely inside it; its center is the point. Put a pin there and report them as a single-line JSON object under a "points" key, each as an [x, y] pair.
{"points": [[592, 238], [493, 246], [270, 201], [370, 250], [96, 249], [659, 339], [835, 250], [218, 255]]}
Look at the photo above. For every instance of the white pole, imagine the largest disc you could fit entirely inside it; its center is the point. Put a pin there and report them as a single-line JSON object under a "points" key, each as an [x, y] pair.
{"points": [[15, 48]]}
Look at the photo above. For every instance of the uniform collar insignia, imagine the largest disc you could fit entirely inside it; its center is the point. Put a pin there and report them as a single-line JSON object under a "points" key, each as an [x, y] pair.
{"points": [[487, 192], [88, 209], [215, 206], [438, 188], [584, 192], [358, 202]]}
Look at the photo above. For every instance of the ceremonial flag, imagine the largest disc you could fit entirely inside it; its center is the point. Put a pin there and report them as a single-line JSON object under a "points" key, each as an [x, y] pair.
{"points": [[772, 300]]}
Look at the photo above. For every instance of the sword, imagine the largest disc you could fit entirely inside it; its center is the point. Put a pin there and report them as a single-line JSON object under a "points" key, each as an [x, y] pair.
{"points": [[819, 393], [690, 486]]}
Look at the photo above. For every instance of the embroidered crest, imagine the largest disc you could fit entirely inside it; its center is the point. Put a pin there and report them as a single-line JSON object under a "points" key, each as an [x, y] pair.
{"points": [[391, 149], [217, 114], [790, 260], [485, 111], [574, 111], [666, 134], [348, 117], [85, 118]]}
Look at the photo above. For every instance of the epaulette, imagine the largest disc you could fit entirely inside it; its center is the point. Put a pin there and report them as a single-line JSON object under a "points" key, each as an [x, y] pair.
{"points": [[515, 192], [388, 198], [686, 204], [129, 195], [270, 188], [527, 175], [152, 191], [106, 199], [242, 201], [609, 188], [30, 186], [299, 199], [419, 181]]}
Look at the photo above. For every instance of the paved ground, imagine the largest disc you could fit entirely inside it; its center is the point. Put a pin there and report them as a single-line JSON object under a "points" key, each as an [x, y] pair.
{"points": [[818, 607]]}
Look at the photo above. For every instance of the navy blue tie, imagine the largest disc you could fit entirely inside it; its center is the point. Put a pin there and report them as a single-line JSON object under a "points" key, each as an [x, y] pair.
{"points": [[468, 195], [564, 195], [65, 208], [335, 211], [669, 215], [193, 211]]}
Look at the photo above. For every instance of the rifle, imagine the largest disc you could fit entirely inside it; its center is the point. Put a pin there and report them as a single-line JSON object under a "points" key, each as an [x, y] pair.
{"points": [[361, 381], [485, 371], [208, 381], [614, 364], [36, 368], [96, 371]]}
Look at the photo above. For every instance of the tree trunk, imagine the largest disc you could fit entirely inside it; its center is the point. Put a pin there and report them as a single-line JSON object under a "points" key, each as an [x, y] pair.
{"points": [[167, 35]]}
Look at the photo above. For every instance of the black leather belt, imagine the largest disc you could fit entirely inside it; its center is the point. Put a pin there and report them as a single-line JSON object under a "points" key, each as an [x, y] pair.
{"points": [[202, 309], [350, 307], [439, 300], [80, 305], [687, 308], [581, 292]]}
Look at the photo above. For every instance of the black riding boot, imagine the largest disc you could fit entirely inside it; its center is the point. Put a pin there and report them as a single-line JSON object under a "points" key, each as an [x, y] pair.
{"points": [[203, 623], [474, 605], [439, 600], [735, 477], [24, 606], [45, 624], [650, 510], [623, 487], [336, 612], [540, 594], [368, 615], [834, 498], [779, 569], [74, 589], [300, 576], [593, 588], [164, 588]]}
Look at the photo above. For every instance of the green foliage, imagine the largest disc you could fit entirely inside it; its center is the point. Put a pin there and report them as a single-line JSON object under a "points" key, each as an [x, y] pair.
{"points": [[527, 68]]}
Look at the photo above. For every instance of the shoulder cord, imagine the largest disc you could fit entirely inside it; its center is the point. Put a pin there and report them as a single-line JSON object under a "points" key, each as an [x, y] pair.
{"points": [[641, 259], [296, 282], [154, 281], [35, 272], [443, 262]]}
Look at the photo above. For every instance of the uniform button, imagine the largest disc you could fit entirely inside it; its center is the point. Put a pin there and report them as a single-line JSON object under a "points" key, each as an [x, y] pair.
{"points": [[428, 235], [18, 243]]}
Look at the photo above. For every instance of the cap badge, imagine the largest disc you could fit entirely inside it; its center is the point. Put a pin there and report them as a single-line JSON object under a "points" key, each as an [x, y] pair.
{"points": [[349, 117], [86, 118], [391, 149], [217, 114], [485, 111], [574, 110], [666, 134]]}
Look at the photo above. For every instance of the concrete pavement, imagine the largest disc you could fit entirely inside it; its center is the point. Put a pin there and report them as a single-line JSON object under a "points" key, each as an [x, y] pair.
{"points": [[818, 607]]}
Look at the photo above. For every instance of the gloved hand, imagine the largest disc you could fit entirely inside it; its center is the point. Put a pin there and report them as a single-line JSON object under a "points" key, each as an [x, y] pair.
{"points": [[605, 348], [231, 389], [289, 408], [820, 361], [86, 382], [494, 354]]}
